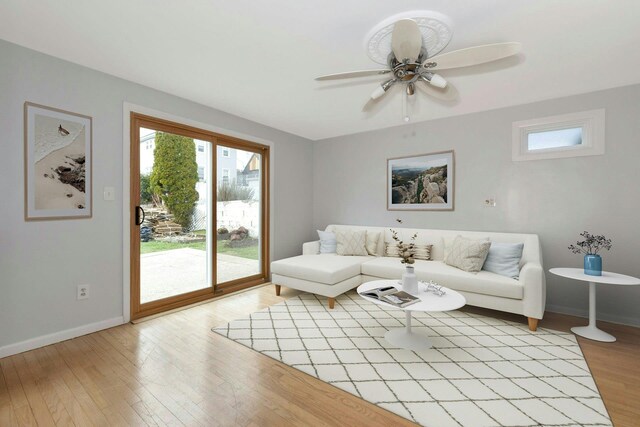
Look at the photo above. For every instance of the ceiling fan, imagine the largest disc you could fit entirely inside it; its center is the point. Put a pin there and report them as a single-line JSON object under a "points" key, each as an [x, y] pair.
{"points": [[409, 64]]}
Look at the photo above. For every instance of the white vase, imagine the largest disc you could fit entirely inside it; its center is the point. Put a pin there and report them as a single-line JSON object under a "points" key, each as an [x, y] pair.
{"points": [[409, 281]]}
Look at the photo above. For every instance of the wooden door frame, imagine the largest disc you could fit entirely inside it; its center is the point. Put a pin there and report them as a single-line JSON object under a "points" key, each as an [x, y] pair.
{"points": [[137, 120]]}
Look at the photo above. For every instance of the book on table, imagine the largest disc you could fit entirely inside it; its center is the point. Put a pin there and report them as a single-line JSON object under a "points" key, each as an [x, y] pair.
{"points": [[391, 295]]}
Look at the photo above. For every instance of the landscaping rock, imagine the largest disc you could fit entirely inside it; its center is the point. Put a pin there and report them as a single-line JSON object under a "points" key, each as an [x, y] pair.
{"points": [[240, 233]]}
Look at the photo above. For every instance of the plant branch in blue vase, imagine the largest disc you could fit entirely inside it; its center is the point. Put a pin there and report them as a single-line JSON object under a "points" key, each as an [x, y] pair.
{"points": [[590, 247]]}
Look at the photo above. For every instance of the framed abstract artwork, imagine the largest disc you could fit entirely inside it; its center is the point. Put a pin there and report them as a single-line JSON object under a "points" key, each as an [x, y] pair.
{"points": [[57, 163], [422, 182]]}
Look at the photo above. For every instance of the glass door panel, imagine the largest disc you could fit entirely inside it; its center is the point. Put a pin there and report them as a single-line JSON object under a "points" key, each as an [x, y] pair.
{"points": [[175, 213], [238, 214]]}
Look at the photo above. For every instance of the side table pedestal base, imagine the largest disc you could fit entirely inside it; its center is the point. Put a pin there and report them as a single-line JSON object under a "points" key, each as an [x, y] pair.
{"points": [[593, 333]]}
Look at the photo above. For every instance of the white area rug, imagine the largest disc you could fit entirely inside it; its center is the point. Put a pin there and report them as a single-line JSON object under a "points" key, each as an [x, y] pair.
{"points": [[481, 371]]}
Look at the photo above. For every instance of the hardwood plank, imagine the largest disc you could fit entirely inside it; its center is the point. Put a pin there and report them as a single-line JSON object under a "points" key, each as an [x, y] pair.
{"points": [[19, 403], [7, 414], [44, 385], [73, 390]]}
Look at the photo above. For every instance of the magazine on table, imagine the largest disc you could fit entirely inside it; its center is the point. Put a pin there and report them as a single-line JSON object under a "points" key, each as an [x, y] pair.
{"points": [[391, 295]]}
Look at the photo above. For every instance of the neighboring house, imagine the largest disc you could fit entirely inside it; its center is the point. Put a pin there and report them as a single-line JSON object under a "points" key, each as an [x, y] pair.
{"points": [[227, 169], [147, 145], [250, 175]]}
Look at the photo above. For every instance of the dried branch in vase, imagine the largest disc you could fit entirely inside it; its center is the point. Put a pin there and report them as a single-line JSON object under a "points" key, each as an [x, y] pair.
{"points": [[591, 244], [406, 250]]}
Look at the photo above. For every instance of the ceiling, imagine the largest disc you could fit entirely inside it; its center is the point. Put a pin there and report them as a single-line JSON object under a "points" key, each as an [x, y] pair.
{"points": [[258, 59]]}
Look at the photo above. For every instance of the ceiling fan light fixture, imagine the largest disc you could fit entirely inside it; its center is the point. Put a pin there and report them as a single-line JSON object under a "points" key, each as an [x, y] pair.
{"points": [[382, 89], [435, 79]]}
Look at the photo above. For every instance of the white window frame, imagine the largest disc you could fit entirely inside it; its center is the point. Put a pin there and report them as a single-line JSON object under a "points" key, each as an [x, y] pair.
{"points": [[591, 122]]}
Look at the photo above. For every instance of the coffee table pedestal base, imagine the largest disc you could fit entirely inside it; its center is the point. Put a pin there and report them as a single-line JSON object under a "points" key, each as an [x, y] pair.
{"points": [[406, 338]]}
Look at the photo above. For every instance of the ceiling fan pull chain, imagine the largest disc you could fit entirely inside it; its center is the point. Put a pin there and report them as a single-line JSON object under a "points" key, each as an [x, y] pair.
{"points": [[405, 107]]}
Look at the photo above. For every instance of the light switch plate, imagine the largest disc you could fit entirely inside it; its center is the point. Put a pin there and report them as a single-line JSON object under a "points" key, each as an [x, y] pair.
{"points": [[490, 202], [109, 193]]}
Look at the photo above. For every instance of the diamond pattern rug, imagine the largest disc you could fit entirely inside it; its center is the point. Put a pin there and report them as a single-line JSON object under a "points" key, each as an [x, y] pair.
{"points": [[481, 371]]}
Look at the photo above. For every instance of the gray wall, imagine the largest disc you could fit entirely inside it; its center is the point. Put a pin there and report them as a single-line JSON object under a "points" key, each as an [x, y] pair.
{"points": [[556, 199], [42, 262]]}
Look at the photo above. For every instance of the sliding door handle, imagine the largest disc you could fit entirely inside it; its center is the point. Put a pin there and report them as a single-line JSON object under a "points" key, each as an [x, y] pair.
{"points": [[139, 210]]}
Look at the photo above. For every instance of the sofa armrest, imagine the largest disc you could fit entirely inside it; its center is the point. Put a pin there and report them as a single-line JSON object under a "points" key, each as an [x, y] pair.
{"points": [[533, 279], [311, 248]]}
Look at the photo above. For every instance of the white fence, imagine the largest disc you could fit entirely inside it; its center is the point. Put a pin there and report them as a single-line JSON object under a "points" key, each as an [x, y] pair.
{"points": [[231, 215]]}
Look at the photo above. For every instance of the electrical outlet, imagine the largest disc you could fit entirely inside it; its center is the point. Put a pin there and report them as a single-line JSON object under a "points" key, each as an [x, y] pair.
{"points": [[83, 292], [490, 202]]}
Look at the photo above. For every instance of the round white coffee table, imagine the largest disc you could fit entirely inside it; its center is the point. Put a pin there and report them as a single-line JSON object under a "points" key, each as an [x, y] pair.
{"points": [[405, 337], [591, 331]]}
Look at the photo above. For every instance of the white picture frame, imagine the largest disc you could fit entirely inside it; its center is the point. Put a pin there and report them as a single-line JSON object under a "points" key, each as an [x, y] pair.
{"points": [[57, 164], [406, 178]]}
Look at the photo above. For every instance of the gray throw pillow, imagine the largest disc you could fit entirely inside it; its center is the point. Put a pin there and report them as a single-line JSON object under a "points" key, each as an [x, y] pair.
{"points": [[467, 254], [504, 259]]}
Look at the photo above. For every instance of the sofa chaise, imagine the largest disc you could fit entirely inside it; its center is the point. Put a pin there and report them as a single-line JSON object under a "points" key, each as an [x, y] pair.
{"points": [[330, 275]]}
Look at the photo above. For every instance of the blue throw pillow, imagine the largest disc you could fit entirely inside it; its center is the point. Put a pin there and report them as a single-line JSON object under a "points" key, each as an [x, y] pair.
{"points": [[504, 259], [328, 243]]}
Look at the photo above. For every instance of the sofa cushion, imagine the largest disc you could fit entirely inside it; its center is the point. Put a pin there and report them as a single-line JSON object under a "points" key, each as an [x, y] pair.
{"points": [[419, 251], [504, 259], [352, 243], [467, 254], [484, 282], [328, 242], [329, 268], [372, 242]]}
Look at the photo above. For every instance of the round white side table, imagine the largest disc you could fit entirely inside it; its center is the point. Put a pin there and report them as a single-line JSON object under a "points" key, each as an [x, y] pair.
{"points": [[607, 278], [405, 337]]}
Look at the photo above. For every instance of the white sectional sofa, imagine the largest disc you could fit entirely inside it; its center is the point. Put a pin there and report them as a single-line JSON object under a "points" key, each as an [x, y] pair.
{"points": [[330, 275]]}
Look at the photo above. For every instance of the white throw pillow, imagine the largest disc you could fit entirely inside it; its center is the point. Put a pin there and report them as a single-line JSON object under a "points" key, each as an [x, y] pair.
{"points": [[351, 243], [372, 242], [504, 259], [467, 254], [327, 242]]}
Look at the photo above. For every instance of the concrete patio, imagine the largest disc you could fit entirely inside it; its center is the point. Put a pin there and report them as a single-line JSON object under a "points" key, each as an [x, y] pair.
{"points": [[176, 271]]}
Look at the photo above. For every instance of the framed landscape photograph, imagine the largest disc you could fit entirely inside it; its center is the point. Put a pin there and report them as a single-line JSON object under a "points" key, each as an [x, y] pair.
{"points": [[423, 182], [57, 154]]}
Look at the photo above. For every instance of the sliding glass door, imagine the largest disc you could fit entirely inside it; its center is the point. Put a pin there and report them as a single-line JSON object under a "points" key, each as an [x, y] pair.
{"points": [[238, 214], [199, 215]]}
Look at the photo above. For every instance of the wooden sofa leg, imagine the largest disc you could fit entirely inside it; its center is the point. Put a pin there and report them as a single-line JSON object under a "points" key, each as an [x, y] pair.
{"points": [[332, 302], [533, 323], [278, 287]]}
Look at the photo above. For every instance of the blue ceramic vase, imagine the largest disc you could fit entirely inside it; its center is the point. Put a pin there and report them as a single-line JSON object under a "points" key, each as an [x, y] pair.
{"points": [[593, 265]]}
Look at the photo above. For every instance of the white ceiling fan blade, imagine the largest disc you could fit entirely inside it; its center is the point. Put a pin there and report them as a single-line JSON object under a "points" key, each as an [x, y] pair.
{"points": [[449, 93], [406, 40], [472, 56], [352, 74]]}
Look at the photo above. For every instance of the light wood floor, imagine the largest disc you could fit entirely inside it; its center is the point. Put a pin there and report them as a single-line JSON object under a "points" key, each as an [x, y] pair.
{"points": [[173, 370]]}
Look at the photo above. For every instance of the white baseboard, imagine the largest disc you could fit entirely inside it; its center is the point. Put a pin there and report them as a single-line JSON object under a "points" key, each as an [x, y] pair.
{"points": [[607, 317], [44, 340]]}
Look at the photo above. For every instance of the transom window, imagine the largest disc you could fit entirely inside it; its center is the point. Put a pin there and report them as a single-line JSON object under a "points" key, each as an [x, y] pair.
{"points": [[568, 135]]}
